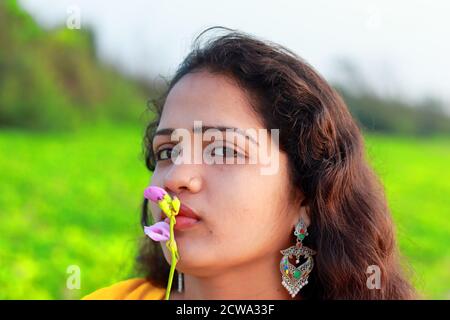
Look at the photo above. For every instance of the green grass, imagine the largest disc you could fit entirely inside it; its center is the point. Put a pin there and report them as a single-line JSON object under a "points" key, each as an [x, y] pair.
{"points": [[74, 199], [68, 200], [416, 176]]}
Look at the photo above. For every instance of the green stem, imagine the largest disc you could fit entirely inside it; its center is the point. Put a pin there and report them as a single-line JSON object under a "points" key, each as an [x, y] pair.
{"points": [[173, 261]]}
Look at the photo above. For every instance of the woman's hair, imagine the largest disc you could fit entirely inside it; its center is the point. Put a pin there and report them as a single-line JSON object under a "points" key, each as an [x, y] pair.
{"points": [[351, 227]]}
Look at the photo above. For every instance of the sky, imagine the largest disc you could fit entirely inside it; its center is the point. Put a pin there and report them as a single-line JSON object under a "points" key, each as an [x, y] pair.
{"points": [[400, 48]]}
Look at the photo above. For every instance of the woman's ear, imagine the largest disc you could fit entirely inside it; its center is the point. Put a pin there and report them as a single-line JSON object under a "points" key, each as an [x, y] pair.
{"points": [[304, 214], [304, 209]]}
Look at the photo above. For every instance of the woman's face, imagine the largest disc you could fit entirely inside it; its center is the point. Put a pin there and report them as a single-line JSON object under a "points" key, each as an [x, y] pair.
{"points": [[244, 214]]}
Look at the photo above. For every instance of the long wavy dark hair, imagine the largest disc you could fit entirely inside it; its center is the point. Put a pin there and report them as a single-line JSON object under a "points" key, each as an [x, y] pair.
{"points": [[351, 226]]}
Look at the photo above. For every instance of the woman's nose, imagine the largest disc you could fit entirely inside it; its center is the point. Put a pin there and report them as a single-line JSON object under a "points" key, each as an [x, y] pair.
{"points": [[183, 177]]}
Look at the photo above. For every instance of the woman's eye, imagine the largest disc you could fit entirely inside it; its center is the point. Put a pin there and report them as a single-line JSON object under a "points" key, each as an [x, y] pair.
{"points": [[163, 154], [167, 153], [224, 152]]}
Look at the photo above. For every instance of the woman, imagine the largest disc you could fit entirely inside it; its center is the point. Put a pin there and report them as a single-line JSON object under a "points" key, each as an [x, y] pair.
{"points": [[323, 195]]}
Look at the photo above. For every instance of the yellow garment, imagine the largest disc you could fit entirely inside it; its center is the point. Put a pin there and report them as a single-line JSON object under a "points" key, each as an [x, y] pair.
{"points": [[132, 289]]}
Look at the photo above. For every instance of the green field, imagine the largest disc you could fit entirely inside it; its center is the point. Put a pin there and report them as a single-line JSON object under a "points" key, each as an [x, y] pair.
{"points": [[74, 199]]}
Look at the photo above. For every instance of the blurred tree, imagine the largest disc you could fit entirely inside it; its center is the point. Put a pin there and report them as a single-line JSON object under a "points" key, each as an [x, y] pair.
{"points": [[53, 80]]}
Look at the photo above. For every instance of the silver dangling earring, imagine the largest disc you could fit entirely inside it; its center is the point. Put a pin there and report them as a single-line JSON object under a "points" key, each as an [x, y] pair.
{"points": [[180, 282], [294, 278]]}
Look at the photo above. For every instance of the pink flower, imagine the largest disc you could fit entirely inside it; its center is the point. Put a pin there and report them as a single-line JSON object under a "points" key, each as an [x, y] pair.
{"points": [[154, 193], [160, 231]]}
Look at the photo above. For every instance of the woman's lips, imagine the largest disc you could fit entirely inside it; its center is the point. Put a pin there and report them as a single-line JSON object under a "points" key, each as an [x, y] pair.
{"points": [[186, 218], [183, 222]]}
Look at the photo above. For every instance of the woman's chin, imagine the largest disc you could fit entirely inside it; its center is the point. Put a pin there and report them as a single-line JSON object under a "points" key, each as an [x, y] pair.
{"points": [[188, 249]]}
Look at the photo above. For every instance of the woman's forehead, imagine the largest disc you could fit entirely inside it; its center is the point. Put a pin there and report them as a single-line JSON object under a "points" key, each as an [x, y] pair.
{"points": [[211, 98]]}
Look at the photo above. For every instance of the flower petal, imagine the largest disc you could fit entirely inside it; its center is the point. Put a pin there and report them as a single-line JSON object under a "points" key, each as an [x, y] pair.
{"points": [[160, 231], [154, 193]]}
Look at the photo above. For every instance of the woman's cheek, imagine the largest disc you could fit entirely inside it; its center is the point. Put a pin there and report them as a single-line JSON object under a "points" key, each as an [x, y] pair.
{"points": [[155, 211]]}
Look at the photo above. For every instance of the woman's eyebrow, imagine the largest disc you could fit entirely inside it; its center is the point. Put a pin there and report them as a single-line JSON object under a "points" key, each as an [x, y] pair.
{"points": [[169, 131]]}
